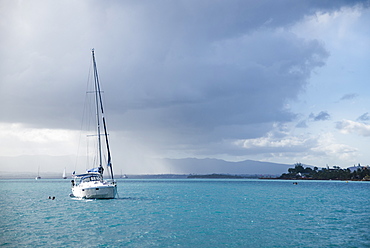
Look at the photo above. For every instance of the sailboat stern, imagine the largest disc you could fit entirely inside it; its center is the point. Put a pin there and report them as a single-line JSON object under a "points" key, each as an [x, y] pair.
{"points": [[92, 186], [99, 191]]}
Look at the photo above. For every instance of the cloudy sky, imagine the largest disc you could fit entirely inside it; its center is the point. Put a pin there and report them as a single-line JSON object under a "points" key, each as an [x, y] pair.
{"points": [[279, 81]]}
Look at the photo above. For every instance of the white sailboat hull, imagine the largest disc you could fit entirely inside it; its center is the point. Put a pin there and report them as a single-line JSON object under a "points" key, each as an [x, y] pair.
{"points": [[95, 190]]}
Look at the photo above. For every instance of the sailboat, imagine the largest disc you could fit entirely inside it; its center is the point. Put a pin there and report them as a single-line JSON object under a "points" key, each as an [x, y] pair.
{"points": [[123, 175], [38, 174], [64, 174], [91, 185]]}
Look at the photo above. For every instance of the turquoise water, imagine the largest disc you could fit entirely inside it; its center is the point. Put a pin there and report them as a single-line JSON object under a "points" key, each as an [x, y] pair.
{"points": [[188, 213]]}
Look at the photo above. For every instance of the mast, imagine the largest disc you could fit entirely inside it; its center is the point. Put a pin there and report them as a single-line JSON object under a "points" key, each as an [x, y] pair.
{"points": [[97, 91], [99, 103]]}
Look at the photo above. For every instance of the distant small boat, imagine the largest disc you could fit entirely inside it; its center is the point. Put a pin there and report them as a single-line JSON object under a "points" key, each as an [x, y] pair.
{"points": [[38, 174], [123, 175], [64, 174]]}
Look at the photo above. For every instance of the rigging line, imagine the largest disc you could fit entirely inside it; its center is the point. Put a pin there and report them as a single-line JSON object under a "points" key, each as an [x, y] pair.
{"points": [[84, 110]]}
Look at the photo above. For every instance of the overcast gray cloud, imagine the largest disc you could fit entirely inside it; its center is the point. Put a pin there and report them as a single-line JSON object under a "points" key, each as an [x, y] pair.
{"points": [[181, 75], [216, 61]]}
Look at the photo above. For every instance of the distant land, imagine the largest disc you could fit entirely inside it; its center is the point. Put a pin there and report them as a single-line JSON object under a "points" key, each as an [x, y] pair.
{"points": [[218, 176], [52, 167], [219, 166]]}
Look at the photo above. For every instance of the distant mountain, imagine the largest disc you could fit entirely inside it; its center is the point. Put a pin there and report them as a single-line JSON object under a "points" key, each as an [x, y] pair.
{"points": [[210, 165], [28, 165]]}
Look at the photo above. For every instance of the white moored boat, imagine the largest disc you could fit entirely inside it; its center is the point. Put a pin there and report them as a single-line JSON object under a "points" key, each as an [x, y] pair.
{"points": [[38, 174], [64, 174], [91, 185]]}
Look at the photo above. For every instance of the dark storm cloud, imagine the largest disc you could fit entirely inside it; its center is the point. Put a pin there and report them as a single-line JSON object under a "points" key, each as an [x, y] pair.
{"points": [[174, 72]]}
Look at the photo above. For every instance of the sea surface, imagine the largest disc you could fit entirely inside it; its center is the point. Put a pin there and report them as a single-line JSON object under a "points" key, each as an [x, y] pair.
{"points": [[187, 213]]}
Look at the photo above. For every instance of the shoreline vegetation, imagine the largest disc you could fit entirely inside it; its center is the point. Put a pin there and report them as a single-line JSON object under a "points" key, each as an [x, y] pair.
{"points": [[357, 173]]}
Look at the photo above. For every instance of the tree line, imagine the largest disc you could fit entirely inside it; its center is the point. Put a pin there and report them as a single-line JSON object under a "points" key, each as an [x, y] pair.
{"points": [[335, 173]]}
